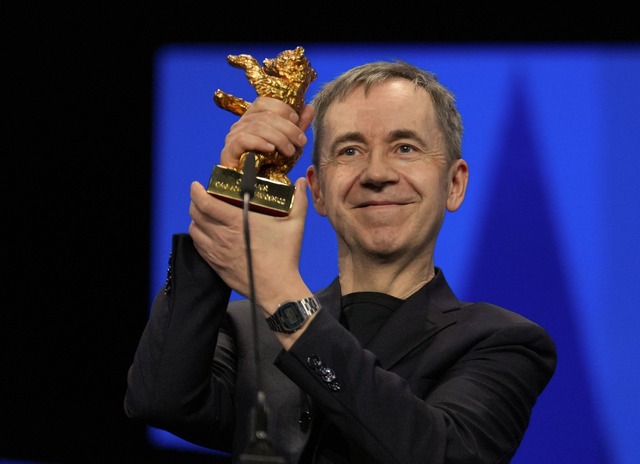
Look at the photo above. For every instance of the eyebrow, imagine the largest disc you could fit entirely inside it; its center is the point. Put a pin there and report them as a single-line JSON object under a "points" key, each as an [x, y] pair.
{"points": [[347, 137], [406, 134], [397, 134]]}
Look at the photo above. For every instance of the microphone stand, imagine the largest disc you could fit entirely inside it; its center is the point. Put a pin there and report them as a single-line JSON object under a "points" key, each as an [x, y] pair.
{"points": [[259, 450]]}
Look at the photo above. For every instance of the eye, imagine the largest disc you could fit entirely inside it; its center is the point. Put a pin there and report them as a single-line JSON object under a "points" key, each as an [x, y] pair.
{"points": [[349, 151], [405, 149]]}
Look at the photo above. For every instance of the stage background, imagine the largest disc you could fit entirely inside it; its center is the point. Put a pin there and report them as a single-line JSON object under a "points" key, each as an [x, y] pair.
{"points": [[549, 227]]}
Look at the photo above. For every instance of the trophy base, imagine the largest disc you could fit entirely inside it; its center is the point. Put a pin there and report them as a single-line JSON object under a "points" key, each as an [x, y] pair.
{"points": [[271, 197]]}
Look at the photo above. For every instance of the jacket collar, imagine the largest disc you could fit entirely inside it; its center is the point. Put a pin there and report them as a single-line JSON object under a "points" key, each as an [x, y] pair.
{"points": [[420, 317]]}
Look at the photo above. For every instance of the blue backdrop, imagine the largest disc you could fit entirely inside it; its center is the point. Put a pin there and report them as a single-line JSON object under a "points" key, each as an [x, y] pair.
{"points": [[549, 227]]}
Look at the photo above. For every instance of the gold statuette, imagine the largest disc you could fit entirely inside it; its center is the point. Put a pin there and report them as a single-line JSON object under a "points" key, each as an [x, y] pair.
{"points": [[285, 77]]}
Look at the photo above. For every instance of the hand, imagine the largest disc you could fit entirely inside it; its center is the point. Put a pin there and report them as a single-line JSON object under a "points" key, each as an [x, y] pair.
{"points": [[268, 125], [218, 234]]}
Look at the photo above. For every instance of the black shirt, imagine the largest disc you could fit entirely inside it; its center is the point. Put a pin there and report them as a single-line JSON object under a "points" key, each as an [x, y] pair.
{"points": [[363, 313]]}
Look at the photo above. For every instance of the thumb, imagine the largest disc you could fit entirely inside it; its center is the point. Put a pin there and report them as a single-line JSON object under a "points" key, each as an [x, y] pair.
{"points": [[300, 200]]}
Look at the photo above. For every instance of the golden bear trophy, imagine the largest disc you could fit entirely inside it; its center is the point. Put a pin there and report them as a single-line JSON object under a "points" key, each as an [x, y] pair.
{"points": [[285, 77]]}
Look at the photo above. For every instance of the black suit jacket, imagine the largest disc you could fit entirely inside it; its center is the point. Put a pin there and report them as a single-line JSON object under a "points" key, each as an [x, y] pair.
{"points": [[443, 381]]}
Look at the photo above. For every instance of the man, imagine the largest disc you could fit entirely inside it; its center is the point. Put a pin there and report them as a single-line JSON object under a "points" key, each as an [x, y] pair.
{"points": [[386, 365]]}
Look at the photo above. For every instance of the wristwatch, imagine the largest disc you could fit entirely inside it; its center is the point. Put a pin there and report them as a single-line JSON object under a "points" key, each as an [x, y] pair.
{"points": [[290, 315]]}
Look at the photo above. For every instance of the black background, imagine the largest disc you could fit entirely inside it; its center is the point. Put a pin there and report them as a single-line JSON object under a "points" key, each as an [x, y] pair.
{"points": [[76, 179]]}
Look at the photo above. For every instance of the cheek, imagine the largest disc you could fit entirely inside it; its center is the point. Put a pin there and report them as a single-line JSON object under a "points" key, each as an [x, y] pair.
{"points": [[324, 194], [432, 189], [333, 193]]}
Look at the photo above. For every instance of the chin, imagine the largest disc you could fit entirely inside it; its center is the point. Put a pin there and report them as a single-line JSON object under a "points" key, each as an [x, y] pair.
{"points": [[384, 248]]}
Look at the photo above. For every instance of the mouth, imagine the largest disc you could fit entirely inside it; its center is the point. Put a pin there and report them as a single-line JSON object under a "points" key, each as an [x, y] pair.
{"points": [[376, 204]]}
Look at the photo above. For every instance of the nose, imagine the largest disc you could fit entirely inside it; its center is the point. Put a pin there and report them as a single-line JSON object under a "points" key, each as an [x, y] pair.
{"points": [[378, 170]]}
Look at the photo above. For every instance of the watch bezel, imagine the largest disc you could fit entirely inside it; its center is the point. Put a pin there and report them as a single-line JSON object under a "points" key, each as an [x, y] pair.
{"points": [[291, 315]]}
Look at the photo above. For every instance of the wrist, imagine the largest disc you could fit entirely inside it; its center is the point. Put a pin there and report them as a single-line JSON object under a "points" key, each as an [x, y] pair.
{"points": [[292, 292]]}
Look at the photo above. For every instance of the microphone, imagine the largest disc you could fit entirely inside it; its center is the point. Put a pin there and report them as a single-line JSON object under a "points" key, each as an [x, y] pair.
{"points": [[248, 179], [259, 450]]}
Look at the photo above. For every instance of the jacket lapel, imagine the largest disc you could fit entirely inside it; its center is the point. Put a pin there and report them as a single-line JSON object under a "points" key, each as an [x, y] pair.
{"points": [[423, 315]]}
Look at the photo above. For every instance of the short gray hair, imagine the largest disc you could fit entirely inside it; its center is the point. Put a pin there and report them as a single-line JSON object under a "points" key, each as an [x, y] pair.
{"points": [[448, 118]]}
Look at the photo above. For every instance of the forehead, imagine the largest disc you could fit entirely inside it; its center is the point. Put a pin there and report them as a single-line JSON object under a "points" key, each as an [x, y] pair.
{"points": [[390, 105]]}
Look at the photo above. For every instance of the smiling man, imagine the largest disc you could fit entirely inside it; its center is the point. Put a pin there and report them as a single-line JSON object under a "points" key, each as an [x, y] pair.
{"points": [[384, 178], [386, 364]]}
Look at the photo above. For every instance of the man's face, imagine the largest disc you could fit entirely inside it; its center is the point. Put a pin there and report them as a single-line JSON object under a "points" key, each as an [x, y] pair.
{"points": [[384, 183]]}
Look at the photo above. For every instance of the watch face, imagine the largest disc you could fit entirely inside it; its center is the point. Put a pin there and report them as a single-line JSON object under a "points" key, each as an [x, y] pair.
{"points": [[292, 318], [290, 315]]}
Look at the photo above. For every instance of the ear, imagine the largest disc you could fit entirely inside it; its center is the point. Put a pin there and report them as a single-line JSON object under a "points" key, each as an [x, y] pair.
{"points": [[458, 179], [316, 192]]}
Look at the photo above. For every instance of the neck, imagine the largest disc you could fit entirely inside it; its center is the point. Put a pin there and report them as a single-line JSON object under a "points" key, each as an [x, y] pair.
{"points": [[396, 278]]}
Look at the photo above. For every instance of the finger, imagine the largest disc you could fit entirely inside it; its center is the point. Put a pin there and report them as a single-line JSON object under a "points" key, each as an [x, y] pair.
{"points": [[274, 105], [270, 122], [284, 133], [196, 207], [300, 203], [263, 133], [205, 207], [198, 236], [306, 117]]}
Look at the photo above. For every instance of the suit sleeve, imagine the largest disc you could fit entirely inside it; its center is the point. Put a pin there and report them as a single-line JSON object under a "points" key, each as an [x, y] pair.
{"points": [[170, 382], [464, 401]]}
